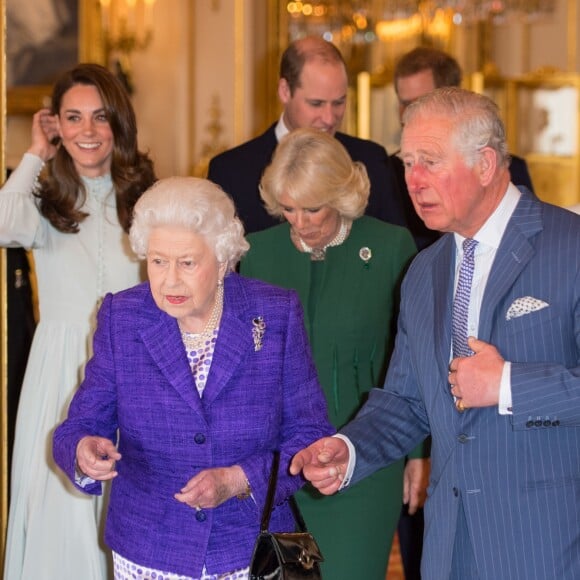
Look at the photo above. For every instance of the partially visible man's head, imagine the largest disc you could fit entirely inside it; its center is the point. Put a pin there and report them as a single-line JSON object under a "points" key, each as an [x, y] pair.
{"points": [[313, 85], [422, 70], [454, 151]]}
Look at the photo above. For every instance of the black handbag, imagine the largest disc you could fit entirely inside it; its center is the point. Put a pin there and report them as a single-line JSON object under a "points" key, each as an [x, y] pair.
{"points": [[284, 555]]}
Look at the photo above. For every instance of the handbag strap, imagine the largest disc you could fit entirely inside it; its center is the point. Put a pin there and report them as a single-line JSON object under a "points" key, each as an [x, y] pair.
{"points": [[298, 515], [267, 512], [270, 494]]}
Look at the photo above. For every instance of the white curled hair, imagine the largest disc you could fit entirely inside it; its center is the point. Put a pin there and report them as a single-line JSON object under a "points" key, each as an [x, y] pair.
{"points": [[477, 121], [198, 205]]}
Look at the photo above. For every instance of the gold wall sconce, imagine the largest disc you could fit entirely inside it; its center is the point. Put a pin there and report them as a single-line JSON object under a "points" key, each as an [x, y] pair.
{"points": [[127, 27]]}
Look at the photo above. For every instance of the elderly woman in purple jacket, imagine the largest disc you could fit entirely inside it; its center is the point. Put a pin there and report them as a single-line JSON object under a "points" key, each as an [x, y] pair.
{"points": [[197, 377]]}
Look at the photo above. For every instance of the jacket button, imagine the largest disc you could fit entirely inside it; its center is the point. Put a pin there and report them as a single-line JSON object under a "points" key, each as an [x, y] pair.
{"points": [[455, 492], [538, 423], [547, 423], [200, 516], [462, 438], [199, 438], [529, 423]]}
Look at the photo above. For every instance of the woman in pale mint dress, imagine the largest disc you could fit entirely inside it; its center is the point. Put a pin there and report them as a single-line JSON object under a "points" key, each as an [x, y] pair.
{"points": [[70, 201]]}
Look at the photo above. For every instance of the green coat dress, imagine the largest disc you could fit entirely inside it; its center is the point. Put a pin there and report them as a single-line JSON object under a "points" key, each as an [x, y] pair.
{"points": [[350, 302]]}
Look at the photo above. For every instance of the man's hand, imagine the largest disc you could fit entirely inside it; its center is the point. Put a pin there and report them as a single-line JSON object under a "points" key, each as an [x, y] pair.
{"points": [[476, 379], [323, 463], [415, 482]]}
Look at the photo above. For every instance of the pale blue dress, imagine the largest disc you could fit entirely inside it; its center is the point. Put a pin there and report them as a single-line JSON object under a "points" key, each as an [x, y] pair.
{"points": [[53, 529]]}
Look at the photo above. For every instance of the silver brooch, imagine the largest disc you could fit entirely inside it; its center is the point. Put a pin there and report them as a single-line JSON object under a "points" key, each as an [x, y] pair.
{"points": [[258, 331], [365, 254]]}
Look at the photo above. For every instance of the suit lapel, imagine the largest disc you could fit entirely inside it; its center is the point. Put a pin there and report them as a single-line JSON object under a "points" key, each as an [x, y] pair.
{"points": [[513, 254], [234, 341], [163, 341], [268, 144], [443, 274], [232, 347]]}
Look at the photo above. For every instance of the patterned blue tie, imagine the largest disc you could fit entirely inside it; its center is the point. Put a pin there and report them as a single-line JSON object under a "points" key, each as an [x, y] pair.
{"points": [[461, 300]]}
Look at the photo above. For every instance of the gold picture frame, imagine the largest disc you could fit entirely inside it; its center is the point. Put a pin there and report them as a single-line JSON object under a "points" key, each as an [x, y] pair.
{"points": [[4, 474], [23, 99], [26, 100]]}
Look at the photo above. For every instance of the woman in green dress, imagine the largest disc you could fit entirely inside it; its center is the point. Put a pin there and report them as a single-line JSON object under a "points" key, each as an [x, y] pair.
{"points": [[346, 268]]}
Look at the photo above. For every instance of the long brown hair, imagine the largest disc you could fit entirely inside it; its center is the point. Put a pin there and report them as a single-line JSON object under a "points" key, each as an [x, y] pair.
{"points": [[61, 191]]}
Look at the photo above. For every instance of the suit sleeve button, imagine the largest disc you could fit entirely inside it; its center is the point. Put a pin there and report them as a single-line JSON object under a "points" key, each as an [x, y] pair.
{"points": [[529, 423], [538, 423], [556, 423], [199, 438], [547, 423]]}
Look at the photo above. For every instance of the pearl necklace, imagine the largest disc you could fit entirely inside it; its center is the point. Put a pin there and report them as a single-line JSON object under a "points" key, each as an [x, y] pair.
{"points": [[318, 254], [195, 340]]}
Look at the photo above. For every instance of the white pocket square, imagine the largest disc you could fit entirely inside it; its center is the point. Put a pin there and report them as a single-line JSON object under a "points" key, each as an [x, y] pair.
{"points": [[524, 305]]}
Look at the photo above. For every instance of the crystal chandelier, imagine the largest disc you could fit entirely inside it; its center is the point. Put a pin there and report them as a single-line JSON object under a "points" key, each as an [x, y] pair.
{"points": [[464, 11], [361, 21]]}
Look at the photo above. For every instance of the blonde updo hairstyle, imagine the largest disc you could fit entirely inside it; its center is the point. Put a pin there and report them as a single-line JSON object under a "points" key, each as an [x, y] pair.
{"points": [[198, 205], [315, 170]]}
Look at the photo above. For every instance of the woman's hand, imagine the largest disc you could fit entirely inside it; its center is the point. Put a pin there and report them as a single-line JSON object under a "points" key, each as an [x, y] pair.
{"points": [[44, 130], [212, 487], [96, 457]]}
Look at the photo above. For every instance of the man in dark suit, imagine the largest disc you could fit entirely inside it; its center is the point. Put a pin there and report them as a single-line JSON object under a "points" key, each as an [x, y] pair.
{"points": [[312, 89], [417, 73], [503, 409]]}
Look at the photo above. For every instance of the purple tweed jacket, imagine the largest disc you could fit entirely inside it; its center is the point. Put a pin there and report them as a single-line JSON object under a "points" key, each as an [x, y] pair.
{"points": [[139, 384]]}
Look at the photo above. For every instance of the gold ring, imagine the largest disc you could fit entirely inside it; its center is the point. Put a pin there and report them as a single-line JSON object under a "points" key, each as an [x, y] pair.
{"points": [[460, 406]]}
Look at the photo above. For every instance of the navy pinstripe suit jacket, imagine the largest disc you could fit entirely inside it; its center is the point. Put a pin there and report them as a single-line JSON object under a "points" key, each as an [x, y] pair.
{"points": [[518, 476]]}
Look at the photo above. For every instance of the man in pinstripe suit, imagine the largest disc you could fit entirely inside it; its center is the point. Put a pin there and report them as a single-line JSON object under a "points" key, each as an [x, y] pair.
{"points": [[504, 493]]}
